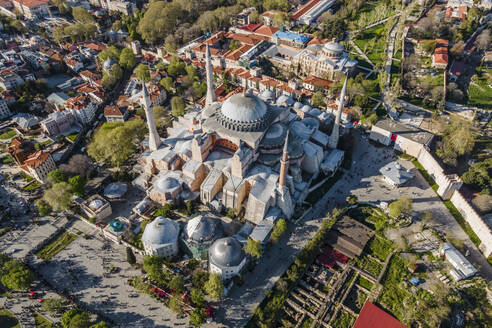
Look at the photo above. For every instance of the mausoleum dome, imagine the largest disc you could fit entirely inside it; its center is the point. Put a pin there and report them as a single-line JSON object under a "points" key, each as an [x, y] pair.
{"points": [[96, 204], [226, 252], [160, 231]]}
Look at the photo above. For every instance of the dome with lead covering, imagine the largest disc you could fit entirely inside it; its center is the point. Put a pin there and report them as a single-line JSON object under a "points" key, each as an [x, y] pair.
{"points": [[167, 184], [96, 204], [226, 252], [203, 229], [244, 112], [244, 108], [160, 231]]}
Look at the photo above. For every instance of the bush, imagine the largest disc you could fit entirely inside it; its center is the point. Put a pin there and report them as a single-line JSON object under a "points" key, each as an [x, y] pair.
{"points": [[53, 305]]}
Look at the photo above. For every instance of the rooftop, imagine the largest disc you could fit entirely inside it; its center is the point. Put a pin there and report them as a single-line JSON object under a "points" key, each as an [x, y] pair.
{"points": [[372, 316], [404, 131]]}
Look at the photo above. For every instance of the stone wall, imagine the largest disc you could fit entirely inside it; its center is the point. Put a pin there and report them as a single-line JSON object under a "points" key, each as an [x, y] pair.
{"points": [[448, 189], [479, 226]]}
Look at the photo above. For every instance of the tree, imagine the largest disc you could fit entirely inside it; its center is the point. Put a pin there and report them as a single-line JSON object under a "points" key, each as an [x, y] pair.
{"points": [[112, 77], [197, 317], [153, 266], [318, 100], [110, 52], [279, 230], [100, 324], [130, 257], [176, 67], [167, 83], [199, 278], [77, 165], [57, 176], [177, 106], [483, 40], [116, 25], [77, 184], [457, 140], [127, 58], [282, 5], [43, 207], [334, 27], [142, 72], [175, 304], [428, 45], [75, 318], [400, 207], [177, 284], [254, 17], [58, 196], [53, 305], [479, 176], [280, 19], [67, 317], [82, 15], [197, 297], [253, 248], [458, 49], [213, 287], [16, 276], [115, 142]]}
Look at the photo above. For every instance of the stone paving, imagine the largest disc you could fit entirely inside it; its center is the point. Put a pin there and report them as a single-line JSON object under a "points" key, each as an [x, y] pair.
{"points": [[82, 270]]}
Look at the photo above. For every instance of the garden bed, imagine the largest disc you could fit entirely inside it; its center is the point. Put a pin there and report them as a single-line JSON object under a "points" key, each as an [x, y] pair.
{"points": [[53, 248], [369, 265]]}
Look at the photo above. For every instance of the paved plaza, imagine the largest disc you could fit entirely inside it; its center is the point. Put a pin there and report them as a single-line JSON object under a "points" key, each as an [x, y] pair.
{"points": [[82, 270]]}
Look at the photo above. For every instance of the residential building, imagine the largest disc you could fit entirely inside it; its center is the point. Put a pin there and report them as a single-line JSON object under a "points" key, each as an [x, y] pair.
{"points": [[115, 113], [4, 110], [440, 57], [38, 165], [10, 80], [83, 108], [57, 122], [20, 150], [32, 9], [313, 83], [463, 269]]}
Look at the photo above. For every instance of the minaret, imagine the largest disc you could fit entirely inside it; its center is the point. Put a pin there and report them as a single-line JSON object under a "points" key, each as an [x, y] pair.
{"points": [[336, 126], [154, 139], [210, 79], [284, 163]]}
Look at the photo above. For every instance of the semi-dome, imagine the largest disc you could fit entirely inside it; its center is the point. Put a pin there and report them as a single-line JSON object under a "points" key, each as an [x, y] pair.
{"points": [[226, 252], [203, 229], [244, 108], [306, 108], [297, 105], [267, 95], [160, 231]]}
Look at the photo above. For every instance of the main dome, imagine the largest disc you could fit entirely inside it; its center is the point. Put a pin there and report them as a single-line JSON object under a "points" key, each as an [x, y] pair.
{"points": [[244, 112], [244, 108]]}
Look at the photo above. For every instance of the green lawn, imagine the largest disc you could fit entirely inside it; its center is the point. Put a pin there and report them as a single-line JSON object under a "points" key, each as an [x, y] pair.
{"points": [[369, 265], [33, 185], [41, 322], [8, 159], [72, 137], [8, 319], [380, 247], [372, 42], [365, 283], [479, 90], [343, 320], [40, 145], [8, 135], [53, 248]]}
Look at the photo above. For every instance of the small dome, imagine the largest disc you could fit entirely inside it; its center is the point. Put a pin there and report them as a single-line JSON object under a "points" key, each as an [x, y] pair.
{"points": [[167, 183], [160, 231], [203, 229], [306, 108], [333, 46], [244, 108], [115, 190], [96, 204], [267, 95], [226, 252], [297, 105], [108, 63]]}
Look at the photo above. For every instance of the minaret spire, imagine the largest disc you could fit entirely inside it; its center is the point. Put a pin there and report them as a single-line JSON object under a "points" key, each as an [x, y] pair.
{"points": [[336, 126], [154, 139], [210, 78], [284, 163]]}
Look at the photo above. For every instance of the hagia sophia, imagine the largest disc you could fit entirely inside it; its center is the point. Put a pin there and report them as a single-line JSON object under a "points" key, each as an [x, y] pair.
{"points": [[247, 153]]}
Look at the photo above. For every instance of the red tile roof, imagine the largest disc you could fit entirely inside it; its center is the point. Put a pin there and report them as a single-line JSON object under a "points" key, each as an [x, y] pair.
{"points": [[32, 3], [304, 9], [318, 82], [441, 55], [37, 159], [250, 27], [267, 30], [112, 111], [372, 316]]}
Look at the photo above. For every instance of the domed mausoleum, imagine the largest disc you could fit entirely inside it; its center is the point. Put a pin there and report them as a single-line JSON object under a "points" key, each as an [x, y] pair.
{"points": [[226, 257], [160, 237], [199, 233]]}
